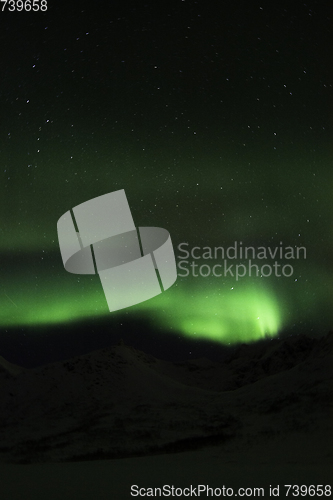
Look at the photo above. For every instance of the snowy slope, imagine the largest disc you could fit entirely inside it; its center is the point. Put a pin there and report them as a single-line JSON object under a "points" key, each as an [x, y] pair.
{"points": [[120, 402]]}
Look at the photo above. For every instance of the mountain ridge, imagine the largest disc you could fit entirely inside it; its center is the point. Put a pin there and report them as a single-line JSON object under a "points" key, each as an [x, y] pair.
{"points": [[119, 401]]}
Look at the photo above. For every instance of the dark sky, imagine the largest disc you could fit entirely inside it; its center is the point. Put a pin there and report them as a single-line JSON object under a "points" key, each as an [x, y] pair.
{"points": [[216, 120]]}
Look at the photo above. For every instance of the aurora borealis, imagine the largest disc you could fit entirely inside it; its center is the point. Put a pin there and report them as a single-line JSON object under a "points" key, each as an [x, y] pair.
{"points": [[216, 121]]}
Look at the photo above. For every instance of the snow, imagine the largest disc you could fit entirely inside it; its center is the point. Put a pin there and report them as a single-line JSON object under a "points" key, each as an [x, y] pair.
{"points": [[91, 426]]}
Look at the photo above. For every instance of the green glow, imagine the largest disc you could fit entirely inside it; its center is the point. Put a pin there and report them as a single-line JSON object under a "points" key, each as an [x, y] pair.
{"points": [[215, 309], [50, 310], [210, 160], [195, 309], [245, 314]]}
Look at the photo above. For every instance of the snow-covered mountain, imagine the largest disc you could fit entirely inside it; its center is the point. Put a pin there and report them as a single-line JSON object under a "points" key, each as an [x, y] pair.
{"points": [[119, 402]]}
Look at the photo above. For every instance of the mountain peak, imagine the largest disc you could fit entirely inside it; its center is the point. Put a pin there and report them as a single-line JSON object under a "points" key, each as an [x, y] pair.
{"points": [[10, 368]]}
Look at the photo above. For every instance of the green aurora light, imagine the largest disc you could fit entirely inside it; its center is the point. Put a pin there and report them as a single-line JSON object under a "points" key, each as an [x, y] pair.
{"points": [[223, 314], [216, 135]]}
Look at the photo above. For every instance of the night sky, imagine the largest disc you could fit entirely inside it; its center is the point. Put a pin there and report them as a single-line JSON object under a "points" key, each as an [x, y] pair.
{"points": [[216, 120]]}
